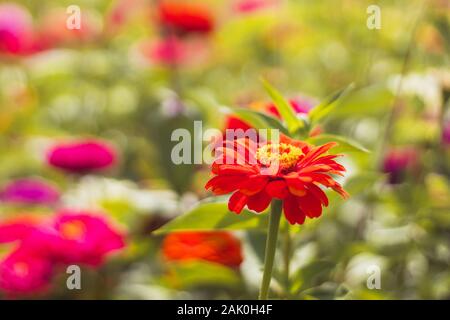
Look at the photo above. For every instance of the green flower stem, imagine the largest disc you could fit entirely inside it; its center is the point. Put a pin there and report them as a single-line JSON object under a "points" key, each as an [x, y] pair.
{"points": [[271, 245]]}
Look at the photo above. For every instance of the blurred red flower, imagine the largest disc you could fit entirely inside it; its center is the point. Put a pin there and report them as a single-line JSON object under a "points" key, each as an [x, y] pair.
{"points": [[290, 170], [82, 156], [16, 30], [213, 246], [184, 17]]}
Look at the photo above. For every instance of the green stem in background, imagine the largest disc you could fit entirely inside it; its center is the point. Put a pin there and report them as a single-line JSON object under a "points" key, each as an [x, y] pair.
{"points": [[271, 245], [287, 258], [392, 115]]}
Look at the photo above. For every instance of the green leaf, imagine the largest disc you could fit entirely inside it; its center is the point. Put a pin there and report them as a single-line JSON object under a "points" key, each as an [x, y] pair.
{"points": [[200, 274], [312, 275], [284, 108], [259, 120], [344, 144], [324, 108], [215, 216]]}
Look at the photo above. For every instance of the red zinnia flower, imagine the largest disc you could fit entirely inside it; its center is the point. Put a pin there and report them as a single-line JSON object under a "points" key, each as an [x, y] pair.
{"points": [[184, 17], [290, 170], [213, 246], [82, 156]]}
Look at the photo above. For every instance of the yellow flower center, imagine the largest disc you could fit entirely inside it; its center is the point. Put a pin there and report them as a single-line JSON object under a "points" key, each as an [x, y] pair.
{"points": [[73, 230], [284, 155]]}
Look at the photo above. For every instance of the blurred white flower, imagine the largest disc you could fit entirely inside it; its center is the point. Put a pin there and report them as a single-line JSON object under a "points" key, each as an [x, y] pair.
{"points": [[91, 191], [425, 86]]}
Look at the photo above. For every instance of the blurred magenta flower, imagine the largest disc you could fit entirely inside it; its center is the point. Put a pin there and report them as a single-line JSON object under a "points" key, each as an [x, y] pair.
{"points": [[16, 30], [248, 6], [69, 237], [17, 228], [170, 51], [398, 162], [30, 191], [213, 246], [23, 272], [82, 156], [83, 237], [446, 134], [183, 17]]}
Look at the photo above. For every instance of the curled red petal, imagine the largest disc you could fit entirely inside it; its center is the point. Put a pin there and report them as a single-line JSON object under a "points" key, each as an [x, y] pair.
{"points": [[237, 202]]}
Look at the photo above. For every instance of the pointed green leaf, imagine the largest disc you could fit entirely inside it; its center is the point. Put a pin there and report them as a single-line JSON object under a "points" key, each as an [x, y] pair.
{"points": [[284, 108], [324, 108], [344, 144], [259, 120], [215, 216]]}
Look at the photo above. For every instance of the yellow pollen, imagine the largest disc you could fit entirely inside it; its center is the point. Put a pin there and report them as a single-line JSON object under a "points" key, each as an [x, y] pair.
{"points": [[285, 154], [73, 230]]}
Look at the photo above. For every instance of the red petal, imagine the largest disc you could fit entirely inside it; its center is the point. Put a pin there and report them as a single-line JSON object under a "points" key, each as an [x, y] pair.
{"points": [[277, 189], [237, 202], [233, 169], [296, 187], [259, 202], [224, 184], [318, 193], [253, 185], [310, 205], [292, 211]]}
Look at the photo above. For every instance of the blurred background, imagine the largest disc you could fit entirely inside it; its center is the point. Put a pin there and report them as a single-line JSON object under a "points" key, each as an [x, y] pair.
{"points": [[86, 117]]}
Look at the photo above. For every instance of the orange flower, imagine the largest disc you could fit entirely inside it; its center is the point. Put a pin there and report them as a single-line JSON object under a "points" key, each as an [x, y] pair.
{"points": [[213, 246], [290, 170]]}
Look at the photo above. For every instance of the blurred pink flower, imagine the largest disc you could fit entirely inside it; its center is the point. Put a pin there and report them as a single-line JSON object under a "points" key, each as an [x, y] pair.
{"points": [[168, 51], [53, 32], [16, 29], [83, 237], [17, 228], [300, 106], [82, 156], [247, 6], [29, 191], [398, 162], [22, 272], [446, 134]]}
